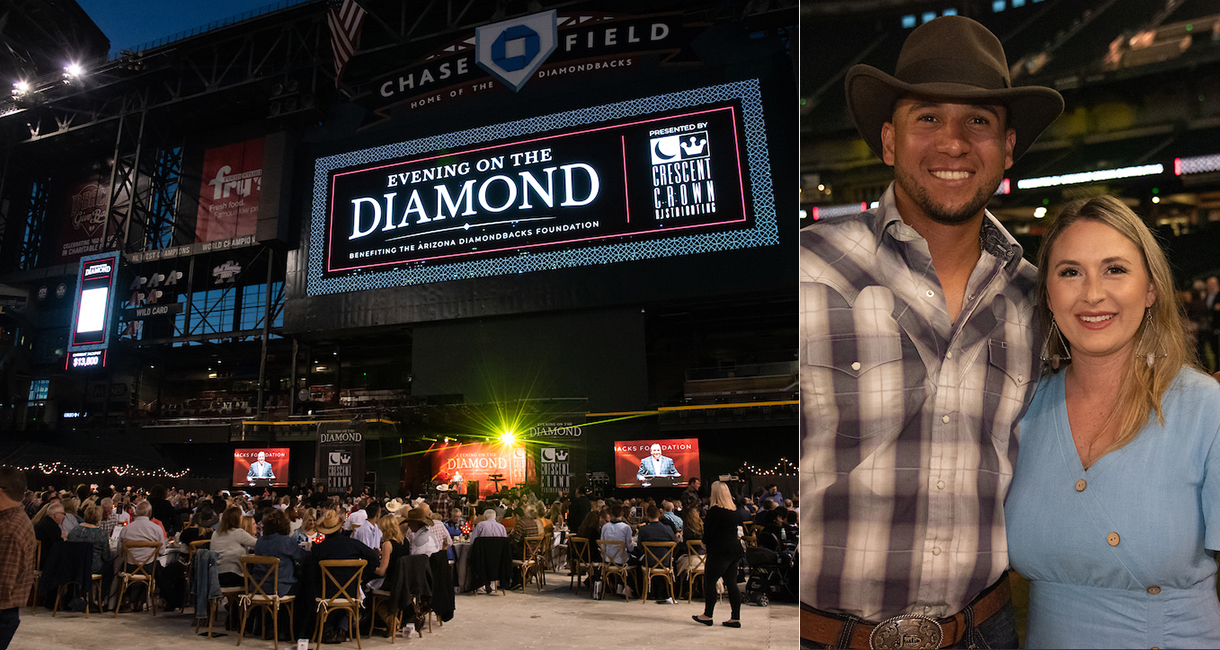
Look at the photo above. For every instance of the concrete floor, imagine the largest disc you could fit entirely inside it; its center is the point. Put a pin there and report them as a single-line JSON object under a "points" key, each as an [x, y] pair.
{"points": [[554, 618]]}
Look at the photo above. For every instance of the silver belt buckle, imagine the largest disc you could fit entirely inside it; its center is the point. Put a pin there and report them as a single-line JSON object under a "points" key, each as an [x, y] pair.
{"points": [[907, 631]]}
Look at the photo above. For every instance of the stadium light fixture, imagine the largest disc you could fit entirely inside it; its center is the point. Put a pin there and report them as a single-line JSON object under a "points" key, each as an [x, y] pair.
{"points": [[1090, 177]]}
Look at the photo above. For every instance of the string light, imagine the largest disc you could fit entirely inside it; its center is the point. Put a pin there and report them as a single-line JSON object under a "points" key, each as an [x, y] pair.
{"points": [[784, 468], [120, 470]]}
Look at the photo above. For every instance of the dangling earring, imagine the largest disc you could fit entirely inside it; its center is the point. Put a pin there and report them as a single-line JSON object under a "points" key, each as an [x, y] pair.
{"points": [[1158, 353], [1055, 359]]}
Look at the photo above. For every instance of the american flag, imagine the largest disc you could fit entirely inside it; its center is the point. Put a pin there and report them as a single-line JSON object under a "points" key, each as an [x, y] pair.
{"points": [[344, 18]]}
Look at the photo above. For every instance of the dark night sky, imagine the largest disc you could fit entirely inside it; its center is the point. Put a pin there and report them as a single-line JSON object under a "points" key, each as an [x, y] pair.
{"points": [[128, 23]]}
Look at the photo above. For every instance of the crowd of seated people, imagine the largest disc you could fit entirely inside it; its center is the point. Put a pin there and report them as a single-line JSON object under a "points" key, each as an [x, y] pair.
{"points": [[308, 524]]}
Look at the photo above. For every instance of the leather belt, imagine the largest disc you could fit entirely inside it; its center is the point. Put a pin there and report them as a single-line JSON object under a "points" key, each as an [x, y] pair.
{"points": [[906, 631]]}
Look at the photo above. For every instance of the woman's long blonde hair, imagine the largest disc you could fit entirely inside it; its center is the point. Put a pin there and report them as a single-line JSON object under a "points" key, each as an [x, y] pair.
{"points": [[389, 528], [1142, 387], [722, 497]]}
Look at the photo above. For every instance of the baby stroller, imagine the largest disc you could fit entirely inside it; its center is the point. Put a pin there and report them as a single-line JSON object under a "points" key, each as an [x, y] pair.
{"points": [[773, 572]]}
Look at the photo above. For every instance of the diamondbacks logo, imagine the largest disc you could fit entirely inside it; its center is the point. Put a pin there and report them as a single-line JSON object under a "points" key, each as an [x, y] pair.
{"points": [[513, 50]]}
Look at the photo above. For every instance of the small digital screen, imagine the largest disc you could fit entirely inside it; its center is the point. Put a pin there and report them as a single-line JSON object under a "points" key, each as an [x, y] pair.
{"points": [[265, 467], [91, 359], [94, 289], [656, 463], [92, 316]]}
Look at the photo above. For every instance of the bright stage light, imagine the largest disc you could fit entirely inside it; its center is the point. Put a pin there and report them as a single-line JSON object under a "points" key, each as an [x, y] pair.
{"points": [[73, 71], [508, 437]]}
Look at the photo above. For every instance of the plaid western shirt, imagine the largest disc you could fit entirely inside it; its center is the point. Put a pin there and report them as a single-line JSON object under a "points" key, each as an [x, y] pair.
{"points": [[108, 522], [907, 418], [16, 557]]}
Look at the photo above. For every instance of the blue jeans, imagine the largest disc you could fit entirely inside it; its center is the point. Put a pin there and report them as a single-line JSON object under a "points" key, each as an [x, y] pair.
{"points": [[9, 620], [999, 631]]}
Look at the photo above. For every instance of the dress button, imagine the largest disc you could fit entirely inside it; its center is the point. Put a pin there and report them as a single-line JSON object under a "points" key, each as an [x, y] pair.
{"points": [[945, 419], [1020, 378], [855, 365], [931, 293], [1112, 538], [940, 485], [949, 355], [1081, 485], [936, 551], [1154, 590]]}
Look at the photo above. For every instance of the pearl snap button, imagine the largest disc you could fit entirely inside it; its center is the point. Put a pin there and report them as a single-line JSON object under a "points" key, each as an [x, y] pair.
{"points": [[931, 293], [855, 365], [945, 419]]}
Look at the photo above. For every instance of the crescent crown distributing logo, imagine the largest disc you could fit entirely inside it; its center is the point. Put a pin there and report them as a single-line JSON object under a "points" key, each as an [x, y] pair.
{"points": [[513, 50]]}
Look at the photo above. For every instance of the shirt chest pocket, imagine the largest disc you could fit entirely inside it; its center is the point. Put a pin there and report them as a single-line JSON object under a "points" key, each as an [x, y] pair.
{"points": [[861, 376], [1008, 386]]}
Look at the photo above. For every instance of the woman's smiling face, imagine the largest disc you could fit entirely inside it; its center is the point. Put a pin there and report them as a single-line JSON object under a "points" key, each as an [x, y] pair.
{"points": [[1098, 287]]}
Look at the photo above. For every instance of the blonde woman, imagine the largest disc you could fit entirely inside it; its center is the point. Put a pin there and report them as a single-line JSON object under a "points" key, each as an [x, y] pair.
{"points": [[392, 548], [1114, 511], [724, 553], [70, 519]]}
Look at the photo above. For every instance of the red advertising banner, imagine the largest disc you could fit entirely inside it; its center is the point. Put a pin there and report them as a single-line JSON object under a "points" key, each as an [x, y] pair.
{"points": [[655, 463], [260, 467], [478, 462], [228, 196], [83, 217]]}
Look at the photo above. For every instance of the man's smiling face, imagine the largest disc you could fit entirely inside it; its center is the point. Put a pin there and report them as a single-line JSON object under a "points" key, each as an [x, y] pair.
{"points": [[948, 158]]}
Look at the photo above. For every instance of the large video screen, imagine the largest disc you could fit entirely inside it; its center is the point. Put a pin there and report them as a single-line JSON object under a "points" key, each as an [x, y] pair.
{"points": [[261, 467], [656, 463], [458, 463], [674, 174]]}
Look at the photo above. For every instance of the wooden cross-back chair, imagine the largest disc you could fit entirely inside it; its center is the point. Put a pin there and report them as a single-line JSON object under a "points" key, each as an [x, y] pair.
{"points": [[531, 561], [37, 575], [658, 561], [611, 549], [346, 595], [581, 563], [143, 572], [257, 596], [696, 563]]}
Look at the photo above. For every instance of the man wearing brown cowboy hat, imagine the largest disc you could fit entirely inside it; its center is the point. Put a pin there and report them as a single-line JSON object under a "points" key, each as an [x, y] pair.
{"points": [[918, 358]]}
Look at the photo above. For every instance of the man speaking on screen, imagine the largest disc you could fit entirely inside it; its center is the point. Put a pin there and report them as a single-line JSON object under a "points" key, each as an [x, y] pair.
{"points": [[260, 469], [656, 465]]}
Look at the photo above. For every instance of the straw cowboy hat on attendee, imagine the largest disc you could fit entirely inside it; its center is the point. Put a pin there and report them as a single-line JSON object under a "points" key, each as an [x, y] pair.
{"points": [[394, 505], [950, 58], [330, 523]]}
